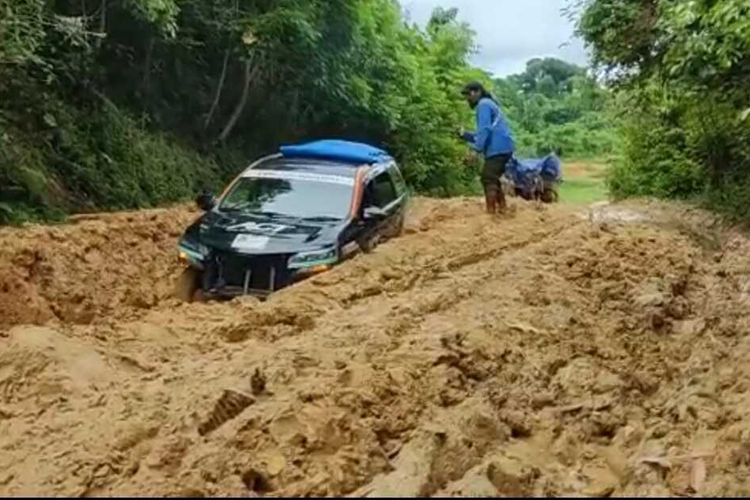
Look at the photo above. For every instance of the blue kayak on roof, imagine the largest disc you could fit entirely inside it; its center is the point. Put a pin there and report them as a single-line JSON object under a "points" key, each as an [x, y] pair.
{"points": [[336, 150]]}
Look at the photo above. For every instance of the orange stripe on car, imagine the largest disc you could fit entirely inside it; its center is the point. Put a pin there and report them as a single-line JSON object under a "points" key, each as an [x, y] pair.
{"points": [[359, 187], [230, 186]]}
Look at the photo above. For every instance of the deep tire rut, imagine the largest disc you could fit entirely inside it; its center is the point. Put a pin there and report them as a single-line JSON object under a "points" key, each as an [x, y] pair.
{"points": [[544, 354]]}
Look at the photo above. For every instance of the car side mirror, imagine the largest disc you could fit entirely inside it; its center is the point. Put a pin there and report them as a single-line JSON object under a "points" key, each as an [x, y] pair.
{"points": [[374, 213], [205, 201]]}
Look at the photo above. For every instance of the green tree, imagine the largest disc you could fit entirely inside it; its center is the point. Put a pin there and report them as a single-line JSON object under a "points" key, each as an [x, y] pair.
{"points": [[556, 106], [128, 103], [683, 70]]}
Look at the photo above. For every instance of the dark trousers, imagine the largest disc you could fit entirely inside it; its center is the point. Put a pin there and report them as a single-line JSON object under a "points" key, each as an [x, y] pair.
{"points": [[493, 170]]}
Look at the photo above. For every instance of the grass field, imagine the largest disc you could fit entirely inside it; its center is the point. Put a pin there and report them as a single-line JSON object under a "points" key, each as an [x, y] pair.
{"points": [[583, 182]]}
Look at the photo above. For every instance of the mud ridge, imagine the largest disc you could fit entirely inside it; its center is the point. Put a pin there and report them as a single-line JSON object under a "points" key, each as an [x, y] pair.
{"points": [[551, 353]]}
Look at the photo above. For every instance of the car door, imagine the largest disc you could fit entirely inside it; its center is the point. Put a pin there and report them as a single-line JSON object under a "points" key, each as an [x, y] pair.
{"points": [[381, 191], [388, 197], [402, 192]]}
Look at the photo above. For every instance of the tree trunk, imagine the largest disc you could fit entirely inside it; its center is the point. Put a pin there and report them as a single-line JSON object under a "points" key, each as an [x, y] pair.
{"points": [[102, 23], [219, 89], [146, 82], [249, 74]]}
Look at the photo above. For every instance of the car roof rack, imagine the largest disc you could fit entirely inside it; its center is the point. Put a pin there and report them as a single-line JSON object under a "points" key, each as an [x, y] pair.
{"points": [[351, 153]]}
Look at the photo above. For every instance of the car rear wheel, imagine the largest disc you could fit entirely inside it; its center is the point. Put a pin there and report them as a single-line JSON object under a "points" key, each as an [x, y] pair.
{"points": [[187, 287], [369, 244], [550, 195], [398, 229]]}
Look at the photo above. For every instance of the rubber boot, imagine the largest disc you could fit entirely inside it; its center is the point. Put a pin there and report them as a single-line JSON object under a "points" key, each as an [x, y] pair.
{"points": [[502, 205], [490, 202]]}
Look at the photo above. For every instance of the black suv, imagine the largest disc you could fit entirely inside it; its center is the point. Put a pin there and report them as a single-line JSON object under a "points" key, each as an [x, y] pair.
{"points": [[290, 216]]}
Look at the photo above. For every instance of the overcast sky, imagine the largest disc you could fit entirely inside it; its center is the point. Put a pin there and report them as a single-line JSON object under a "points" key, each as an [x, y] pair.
{"points": [[510, 32]]}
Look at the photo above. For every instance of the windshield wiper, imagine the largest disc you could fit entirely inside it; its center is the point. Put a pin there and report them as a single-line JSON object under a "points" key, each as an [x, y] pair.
{"points": [[234, 207], [253, 213], [231, 209], [322, 218], [274, 215], [249, 211]]}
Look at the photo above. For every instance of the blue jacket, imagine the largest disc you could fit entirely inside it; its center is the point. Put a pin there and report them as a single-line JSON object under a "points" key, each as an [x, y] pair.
{"points": [[493, 136]]}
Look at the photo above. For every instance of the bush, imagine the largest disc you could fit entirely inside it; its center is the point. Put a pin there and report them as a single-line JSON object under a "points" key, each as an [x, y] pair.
{"points": [[682, 70], [145, 114], [101, 159], [654, 161]]}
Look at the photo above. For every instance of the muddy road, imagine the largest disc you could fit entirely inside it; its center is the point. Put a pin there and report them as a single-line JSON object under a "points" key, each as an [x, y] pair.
{"points": [[551, 353]]}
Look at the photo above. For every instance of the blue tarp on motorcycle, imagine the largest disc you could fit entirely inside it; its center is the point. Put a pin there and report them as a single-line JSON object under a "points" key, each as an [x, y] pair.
{"points": [[336, 150], [523, 172]]}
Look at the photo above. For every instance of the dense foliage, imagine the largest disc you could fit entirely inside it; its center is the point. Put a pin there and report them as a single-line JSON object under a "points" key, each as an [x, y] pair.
{"points": [[108, 104], [557, 107], [683, 73], [128, 103]]}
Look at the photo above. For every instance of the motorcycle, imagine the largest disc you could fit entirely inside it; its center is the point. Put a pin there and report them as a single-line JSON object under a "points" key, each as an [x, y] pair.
{"points": [[534, 179]]}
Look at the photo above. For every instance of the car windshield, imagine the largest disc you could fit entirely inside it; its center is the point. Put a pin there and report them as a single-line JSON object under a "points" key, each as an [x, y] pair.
{"points": [[297, 198]]}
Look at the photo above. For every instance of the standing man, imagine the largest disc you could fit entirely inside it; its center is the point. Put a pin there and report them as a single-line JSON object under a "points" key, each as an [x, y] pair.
{"points": [[493, 140]]}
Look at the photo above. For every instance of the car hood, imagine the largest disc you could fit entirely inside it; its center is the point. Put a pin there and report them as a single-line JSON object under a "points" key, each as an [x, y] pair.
{"points": [[256, 234]]}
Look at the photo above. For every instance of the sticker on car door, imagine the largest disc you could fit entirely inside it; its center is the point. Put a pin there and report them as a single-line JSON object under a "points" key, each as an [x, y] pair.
{"points": [[250, 242]]}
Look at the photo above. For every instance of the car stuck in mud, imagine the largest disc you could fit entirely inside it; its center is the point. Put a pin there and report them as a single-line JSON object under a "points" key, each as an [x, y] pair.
{"points": [[289, 216]]}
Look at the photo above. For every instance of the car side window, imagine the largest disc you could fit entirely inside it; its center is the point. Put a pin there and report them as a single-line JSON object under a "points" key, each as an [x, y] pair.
{"points": [[384, 192], [398, 179], [368, 196]]}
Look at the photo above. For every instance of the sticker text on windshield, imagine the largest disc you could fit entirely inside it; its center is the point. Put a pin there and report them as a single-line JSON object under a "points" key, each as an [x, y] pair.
{"points": [[299, 176]]}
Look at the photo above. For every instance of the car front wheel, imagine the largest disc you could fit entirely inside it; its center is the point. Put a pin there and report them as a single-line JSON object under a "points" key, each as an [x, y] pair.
{"points": [[369, 244], [187, 287]]}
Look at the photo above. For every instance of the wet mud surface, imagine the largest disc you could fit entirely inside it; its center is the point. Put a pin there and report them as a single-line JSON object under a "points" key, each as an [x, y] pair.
{"points": [[547, 353]]}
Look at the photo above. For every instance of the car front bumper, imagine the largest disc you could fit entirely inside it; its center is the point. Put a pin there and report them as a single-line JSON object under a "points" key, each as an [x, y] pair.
{"points": [[228, 275]]}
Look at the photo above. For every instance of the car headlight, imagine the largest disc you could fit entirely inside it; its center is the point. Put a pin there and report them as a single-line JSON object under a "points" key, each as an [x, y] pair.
{"points": [[194, 252], [304, 260]]}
